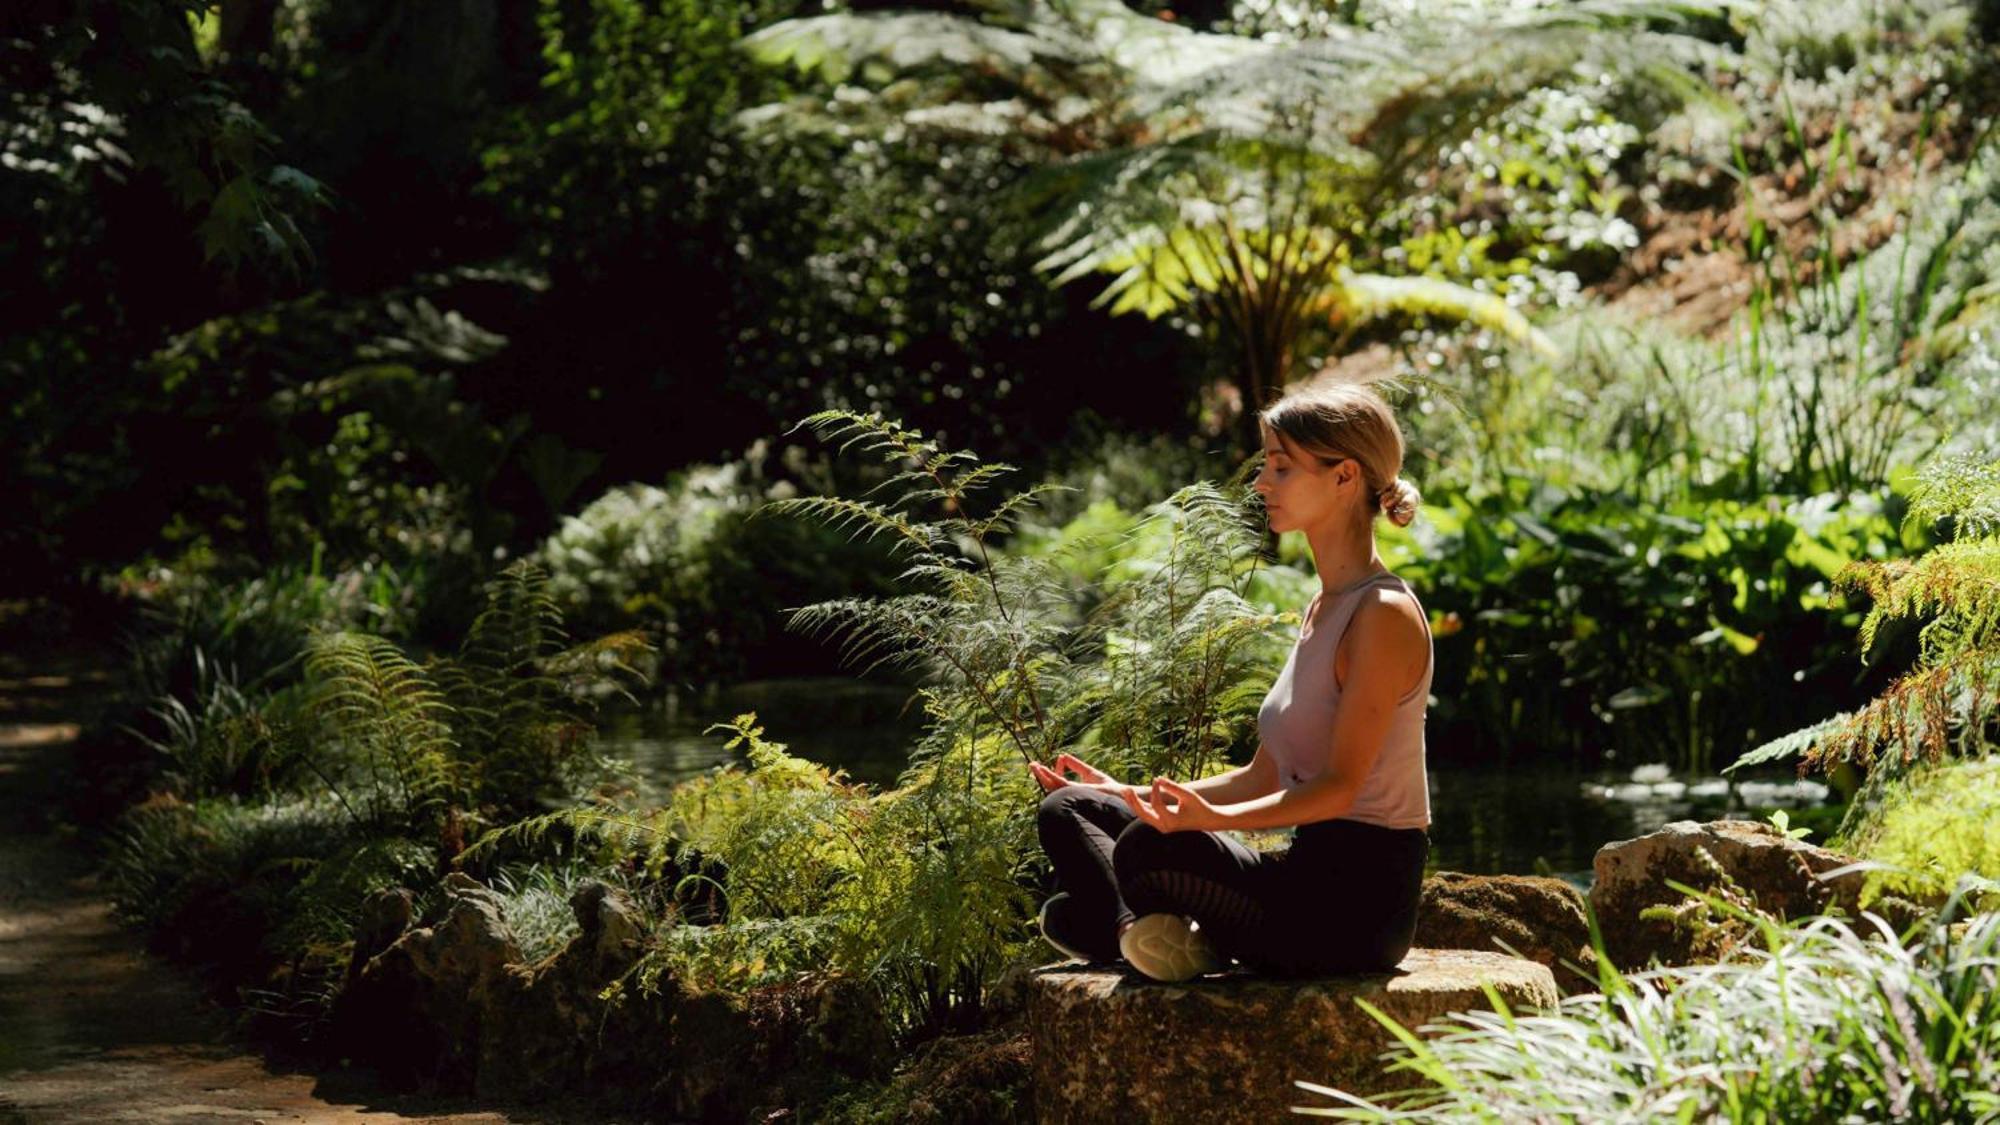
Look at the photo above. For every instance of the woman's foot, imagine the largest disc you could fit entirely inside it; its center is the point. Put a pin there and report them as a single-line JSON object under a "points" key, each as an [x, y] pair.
{"points": [[1058, 925], [1167, 947]]}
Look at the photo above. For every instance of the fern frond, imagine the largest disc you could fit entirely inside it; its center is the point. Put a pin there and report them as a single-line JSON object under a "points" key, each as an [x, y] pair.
{"points": [[1958, 581], [860, 519], [627, 832], [890, 441], [389, 723], [1922, 717], [1960, 488], [1799, 743], [1002, 519]]}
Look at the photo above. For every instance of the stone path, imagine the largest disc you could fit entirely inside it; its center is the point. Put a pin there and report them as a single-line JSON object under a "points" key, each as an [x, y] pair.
{"points": [[91, 1027]]}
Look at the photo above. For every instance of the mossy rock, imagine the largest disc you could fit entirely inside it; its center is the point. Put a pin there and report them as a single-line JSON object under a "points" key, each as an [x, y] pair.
{"points": [[1111, 1046]]}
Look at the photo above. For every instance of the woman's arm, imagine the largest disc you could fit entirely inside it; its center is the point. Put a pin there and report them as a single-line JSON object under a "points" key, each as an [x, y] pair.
{"points": [[1240, 784], [1393, 639]]}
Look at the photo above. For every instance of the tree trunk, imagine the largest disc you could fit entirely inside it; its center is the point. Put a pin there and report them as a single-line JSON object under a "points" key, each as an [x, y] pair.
{"points": [[1265, 368]]}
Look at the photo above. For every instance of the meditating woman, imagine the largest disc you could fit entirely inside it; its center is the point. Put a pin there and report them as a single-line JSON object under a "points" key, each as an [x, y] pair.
{"points": [[1147, 873]]}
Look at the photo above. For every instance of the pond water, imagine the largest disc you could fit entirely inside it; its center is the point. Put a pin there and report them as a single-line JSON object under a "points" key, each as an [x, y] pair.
{"points": [[1514, 820]]}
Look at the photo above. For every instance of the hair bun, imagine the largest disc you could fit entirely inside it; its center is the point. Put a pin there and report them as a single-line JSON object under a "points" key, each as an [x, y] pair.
{"points": [[1399, 502]]}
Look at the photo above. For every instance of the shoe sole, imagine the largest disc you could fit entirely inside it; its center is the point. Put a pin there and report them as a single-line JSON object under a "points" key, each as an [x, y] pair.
{"points": [[1165, 948]]}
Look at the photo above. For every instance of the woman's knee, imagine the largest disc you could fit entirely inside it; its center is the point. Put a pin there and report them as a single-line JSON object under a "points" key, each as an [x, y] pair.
{"points": [[1060, 804], [1139, 848], [1070, 805]]}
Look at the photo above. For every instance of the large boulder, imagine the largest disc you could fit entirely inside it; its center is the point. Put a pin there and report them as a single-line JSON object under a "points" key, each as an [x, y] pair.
{"points": [[1788, 878], [1110, 1046], [1530, 916]]}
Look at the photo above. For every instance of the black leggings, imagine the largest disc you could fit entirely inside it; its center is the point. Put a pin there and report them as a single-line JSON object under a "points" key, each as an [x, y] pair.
{"points": [[1342, 898]]}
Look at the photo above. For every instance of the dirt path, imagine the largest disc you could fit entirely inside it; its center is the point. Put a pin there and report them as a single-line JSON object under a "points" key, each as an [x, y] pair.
{"points": [[91, 1027]]}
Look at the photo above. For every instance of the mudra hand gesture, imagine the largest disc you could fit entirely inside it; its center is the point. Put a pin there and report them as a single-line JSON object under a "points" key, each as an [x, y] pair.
{"points": [[1172, 807], [1052, 779], [1168, 806]]}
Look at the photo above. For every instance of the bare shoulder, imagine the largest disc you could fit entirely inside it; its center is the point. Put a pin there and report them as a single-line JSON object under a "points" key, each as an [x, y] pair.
{"points": [[1388, 615]]}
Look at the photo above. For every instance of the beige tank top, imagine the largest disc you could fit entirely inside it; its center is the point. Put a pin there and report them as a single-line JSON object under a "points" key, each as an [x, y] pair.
{"points": [[1296, 720]]}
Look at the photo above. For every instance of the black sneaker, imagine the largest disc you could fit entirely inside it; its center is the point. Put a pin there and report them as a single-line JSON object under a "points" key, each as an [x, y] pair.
{"points": [[1053, 921]]}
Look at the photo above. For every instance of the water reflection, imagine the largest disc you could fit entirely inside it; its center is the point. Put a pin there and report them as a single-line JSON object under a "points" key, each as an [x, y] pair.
{"points": [[1513, 821], [863, 728]]}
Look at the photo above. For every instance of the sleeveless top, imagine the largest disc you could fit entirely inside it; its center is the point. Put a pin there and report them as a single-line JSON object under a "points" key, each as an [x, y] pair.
{"points": [[1296, 720]]}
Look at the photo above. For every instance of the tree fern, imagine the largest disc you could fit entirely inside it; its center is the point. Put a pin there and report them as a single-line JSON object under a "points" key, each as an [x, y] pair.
{"points": [[1231, 177]]}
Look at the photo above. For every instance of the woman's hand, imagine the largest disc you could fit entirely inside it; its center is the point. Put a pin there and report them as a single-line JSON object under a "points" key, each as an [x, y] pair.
{"points": [[1087, 774], [1173, 807]]}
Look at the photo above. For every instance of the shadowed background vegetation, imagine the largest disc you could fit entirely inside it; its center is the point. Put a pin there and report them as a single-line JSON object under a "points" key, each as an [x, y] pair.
{"points": [[422, 392]]}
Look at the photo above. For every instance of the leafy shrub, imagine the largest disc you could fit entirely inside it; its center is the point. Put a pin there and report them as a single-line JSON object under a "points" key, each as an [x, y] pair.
{"points": [[1824, 1022], [226, 741], [1576, 622], [496, 729], [197, 625], [245, 887], [398, 759], [691, 565], [535, 902]]}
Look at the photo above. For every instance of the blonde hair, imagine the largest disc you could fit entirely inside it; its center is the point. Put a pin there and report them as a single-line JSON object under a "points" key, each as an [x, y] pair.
{"points": [[1333, 418]]}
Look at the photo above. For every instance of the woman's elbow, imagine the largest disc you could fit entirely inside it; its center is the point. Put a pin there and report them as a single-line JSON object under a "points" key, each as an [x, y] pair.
{"points": [[1334, 794]]}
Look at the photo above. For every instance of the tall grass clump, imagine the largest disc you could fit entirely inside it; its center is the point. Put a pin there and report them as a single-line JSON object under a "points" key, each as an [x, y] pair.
{"points": [[1823, 1022]]}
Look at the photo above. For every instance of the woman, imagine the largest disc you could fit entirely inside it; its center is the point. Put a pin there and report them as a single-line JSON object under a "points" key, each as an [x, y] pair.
{"points": [[1145, 872]]}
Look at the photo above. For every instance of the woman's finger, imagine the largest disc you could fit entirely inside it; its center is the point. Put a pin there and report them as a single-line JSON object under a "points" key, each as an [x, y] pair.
{"points": [[1048, 779], [1141, 809], [1083, 769]]}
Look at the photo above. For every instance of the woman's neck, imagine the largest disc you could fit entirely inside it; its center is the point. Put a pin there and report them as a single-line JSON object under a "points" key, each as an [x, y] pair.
{"points": [[1343, 554]]}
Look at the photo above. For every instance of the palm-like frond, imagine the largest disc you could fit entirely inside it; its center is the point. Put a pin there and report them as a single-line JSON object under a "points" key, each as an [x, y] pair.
{"points": [[835, 46], [1358, 297]]}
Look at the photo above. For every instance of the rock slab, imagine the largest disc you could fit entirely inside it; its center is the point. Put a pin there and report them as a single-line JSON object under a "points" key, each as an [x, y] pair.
{"points": [[1538, 918], [1111, 1046], [1789, 879]]}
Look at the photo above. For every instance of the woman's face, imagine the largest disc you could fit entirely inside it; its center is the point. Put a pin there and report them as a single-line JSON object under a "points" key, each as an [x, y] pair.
{"points": [[1298, 490]]}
